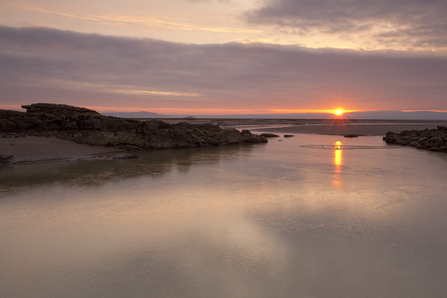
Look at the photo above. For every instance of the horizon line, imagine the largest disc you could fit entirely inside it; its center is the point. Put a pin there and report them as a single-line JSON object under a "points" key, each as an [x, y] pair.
{"points": [[226, 112]]}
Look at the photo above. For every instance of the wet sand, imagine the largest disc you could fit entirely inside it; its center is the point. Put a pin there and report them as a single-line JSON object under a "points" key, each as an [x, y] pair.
{"points": [[28, 149]]}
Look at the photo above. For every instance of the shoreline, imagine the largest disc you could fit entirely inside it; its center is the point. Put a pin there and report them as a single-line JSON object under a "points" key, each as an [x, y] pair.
{"points": [[256, 122], [33, 149], [364, 129], [339, 127]]}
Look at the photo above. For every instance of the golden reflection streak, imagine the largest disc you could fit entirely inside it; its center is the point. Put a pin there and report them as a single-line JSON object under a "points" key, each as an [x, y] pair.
{"points": [[338, 162]]}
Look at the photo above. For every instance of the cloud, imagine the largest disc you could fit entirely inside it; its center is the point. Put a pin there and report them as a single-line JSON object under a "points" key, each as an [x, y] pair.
{"points": [[417, 24], [48, 65], [167, 23]]}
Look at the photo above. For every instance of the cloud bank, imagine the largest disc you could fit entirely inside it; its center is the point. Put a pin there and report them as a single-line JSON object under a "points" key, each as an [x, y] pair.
{"points": [[49, 65], [415, 24]]}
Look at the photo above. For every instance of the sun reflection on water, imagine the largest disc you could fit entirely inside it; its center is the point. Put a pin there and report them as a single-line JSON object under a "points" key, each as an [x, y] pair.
{"points": [[338, 162]]}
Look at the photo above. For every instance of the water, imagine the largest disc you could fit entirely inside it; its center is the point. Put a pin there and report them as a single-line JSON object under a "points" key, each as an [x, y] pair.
{"points": [[269, 220]]}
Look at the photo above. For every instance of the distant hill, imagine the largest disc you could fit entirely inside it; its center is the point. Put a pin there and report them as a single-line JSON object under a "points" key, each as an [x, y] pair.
{"points": [[141, 114]]}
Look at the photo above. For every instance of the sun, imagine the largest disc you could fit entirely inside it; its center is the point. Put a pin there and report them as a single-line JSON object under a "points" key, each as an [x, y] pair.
{"points": [[339, 112]]}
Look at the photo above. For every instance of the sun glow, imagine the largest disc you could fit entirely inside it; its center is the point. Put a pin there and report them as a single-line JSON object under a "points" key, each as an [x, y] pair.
{"points": [[339, 112]]}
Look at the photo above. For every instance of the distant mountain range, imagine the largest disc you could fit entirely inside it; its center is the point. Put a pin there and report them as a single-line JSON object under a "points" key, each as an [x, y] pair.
{"points": [[141, 114], [376, 115]]}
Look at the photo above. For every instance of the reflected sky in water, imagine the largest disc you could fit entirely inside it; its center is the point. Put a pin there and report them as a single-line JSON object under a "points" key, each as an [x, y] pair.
{"points": [[269, 220]]}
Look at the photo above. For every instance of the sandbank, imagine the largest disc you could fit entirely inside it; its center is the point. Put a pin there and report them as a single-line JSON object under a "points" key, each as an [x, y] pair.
{"points": [[321, 126], [28, 149]]}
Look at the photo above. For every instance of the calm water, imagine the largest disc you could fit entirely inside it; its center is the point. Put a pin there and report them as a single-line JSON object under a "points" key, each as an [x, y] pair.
{"points": [[270, 220]]}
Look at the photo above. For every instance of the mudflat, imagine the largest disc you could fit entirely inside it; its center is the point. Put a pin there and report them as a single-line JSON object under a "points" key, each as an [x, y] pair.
{"points": [[26, 149]]}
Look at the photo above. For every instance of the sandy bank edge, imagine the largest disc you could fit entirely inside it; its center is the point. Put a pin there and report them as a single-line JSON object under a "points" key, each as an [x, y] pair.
{"points": [[31, 149]]}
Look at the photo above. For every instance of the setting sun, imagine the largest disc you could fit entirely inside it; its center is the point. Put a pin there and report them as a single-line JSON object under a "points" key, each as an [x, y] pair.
{"points": [[339, 112]]}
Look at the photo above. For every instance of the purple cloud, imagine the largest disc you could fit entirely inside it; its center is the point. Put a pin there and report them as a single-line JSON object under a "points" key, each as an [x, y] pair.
{"points": [[49, 65], [408, 23]]}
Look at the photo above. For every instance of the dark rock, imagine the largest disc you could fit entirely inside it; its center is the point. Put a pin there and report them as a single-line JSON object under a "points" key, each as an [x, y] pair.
{"points": [[352, 135], [5, 158], [433, 140], [87, 126], [56, 109], [7, 125], [436, 141], [269, 135], [288, 136]]}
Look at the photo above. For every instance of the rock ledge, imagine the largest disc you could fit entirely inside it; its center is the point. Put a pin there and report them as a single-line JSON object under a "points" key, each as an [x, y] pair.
{"points": [[87, 126], [429, 139]]}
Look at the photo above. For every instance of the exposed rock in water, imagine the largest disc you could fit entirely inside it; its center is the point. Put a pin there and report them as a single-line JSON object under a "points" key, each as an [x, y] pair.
{"points": [[269, 135], [352, 135], [288, 136], [86, 126], [430, 139]]}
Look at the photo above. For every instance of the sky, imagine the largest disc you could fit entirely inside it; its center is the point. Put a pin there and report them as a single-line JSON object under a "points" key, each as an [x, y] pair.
{"points": [[217, 57]]}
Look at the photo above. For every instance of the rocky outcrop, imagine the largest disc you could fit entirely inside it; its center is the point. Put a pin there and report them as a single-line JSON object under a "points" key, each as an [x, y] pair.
{"points": [[352, 135], [86, 126], [430, 139], [269, 135]]}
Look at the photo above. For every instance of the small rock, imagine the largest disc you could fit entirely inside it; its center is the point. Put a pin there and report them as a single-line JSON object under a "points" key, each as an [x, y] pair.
{"points": [[288, 136], [352, 136], [269, 135], [5, 158]]}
